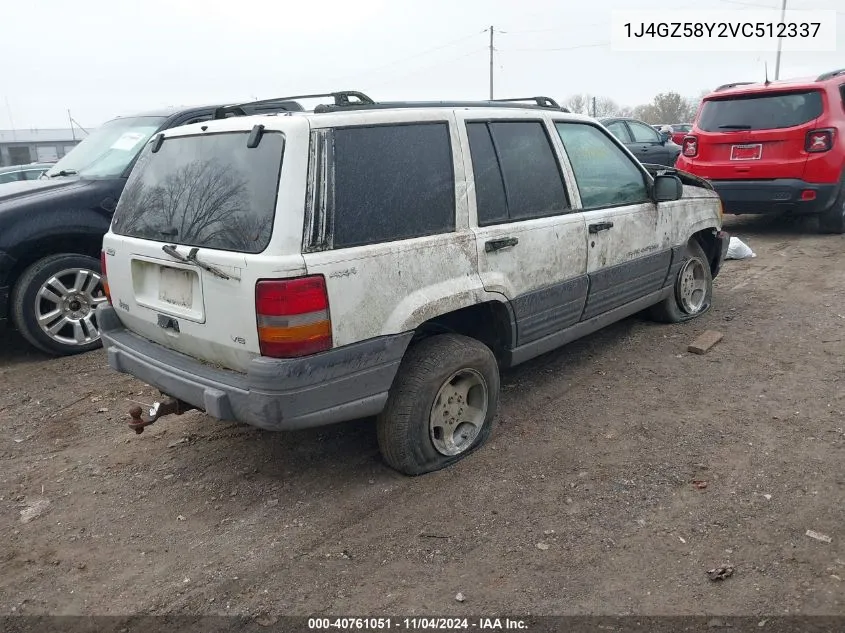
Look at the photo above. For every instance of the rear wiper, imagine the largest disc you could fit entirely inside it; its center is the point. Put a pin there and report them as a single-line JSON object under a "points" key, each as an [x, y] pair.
{"points": [[192, 259], [65, 172], [735, 127]]}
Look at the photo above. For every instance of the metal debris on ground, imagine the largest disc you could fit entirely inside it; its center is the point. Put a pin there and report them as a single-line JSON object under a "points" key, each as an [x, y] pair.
{"points": [[720, 573], [824, 538], [34, 510]]}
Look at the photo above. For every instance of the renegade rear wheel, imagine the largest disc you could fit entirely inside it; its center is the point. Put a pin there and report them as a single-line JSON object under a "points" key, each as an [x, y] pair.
{"points": [[693, 289], [442, 405], [54, 303], [833, 220]]}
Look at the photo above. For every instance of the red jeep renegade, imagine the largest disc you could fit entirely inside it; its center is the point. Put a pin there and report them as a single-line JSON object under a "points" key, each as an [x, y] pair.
{"points": [[776, 146]]}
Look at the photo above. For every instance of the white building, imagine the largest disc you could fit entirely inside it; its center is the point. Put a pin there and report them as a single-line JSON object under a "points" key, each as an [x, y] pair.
{"points": [[19, 147]]}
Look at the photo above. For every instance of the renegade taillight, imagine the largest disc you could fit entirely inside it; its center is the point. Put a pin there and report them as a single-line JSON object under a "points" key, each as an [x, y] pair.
{"points": [[690, 146], [103, 277], [819, 140], [293, 316]]}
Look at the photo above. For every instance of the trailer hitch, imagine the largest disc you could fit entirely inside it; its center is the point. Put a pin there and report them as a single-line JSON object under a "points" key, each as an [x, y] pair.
{"points": [[159, 409]]}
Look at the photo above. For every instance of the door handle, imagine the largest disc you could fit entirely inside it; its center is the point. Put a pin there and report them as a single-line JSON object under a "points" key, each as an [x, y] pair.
{"points": [[600, 226], [495, 245]]}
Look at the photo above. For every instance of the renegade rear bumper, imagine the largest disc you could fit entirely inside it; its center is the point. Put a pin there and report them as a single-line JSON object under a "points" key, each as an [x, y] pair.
{"points": [[774, 196], [276, 394]]}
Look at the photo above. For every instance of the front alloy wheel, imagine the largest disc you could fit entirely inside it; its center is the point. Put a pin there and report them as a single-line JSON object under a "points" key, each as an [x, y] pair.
{"points": [[65, 306], [54, 304]]}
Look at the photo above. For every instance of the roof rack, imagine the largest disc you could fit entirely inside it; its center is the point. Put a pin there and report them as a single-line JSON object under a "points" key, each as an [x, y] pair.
{"points": [[831, 74], [548, 104], [733, 85], [543, 102], [341, 98]]}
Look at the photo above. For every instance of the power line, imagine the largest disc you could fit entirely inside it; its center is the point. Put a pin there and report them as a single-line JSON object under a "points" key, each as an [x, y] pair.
{"points": [[567, 48], [428, 51], [430, 66]]}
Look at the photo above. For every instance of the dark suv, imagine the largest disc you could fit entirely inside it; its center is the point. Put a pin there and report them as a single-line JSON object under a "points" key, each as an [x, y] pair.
{"points": [[774, 147], [51, 229]]}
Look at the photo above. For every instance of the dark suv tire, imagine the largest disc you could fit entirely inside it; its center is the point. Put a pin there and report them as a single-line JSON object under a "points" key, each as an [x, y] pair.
{"points": [[833, 220], [53, 304], [442, 405]]}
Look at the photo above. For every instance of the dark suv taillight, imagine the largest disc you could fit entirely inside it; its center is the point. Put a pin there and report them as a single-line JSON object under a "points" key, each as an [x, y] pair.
{"points": [[690, 146], [819, 140], [293, 316]]}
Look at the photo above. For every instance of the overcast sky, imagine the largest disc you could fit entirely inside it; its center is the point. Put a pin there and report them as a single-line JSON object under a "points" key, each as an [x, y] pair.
{"points": [[103, 58]]}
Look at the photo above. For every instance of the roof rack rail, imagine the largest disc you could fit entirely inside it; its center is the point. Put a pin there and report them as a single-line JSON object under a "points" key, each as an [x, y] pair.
{"points": [[831, 74], [733, 85], [390, 105], [543, 102], [341, 98]]}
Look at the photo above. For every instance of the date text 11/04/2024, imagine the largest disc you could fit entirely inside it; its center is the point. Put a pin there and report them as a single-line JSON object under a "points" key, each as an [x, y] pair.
{"points": [[416, 624]]}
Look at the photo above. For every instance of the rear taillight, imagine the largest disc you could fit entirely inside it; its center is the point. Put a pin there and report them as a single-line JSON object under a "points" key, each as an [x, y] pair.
{"points": [[819, 140], [293, 316], [103, 277], [690, 146]]}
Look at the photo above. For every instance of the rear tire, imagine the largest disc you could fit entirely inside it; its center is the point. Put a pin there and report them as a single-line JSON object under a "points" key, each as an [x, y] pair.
{"points": [[833, 220], [54, 303], [692, 289], [442, 405]]}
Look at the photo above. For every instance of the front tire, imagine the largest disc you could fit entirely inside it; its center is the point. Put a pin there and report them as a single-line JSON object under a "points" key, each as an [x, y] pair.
{"points": [[692, 289], [54, 304], [442, 405]]}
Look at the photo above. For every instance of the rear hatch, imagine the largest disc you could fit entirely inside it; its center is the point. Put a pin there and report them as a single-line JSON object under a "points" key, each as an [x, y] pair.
{"points": [[757, 136], [190, 239]]}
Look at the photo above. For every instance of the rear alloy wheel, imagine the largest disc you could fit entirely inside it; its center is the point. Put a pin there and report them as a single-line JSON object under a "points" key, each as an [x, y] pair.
{"points": [[442, 405], [54, 304]]}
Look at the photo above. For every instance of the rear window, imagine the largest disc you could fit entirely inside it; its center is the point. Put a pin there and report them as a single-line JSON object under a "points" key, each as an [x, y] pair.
{"points": [[210, 191], [760, 111]]}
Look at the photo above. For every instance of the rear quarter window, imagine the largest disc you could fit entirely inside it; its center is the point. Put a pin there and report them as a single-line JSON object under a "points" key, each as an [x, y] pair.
{"points": [[392, 182], [760, 111]]}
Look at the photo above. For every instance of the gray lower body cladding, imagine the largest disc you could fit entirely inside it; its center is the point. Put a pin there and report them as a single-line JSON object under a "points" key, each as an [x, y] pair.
{"points": [[276, 394]]}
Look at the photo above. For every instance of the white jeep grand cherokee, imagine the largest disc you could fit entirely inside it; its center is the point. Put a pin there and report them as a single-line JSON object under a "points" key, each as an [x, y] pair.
{"points": [[386, 259]]}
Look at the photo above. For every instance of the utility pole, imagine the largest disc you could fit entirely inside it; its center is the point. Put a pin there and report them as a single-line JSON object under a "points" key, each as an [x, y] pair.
{"points": [[780, 42], [72, 131], [491, 61], [594, 107]]}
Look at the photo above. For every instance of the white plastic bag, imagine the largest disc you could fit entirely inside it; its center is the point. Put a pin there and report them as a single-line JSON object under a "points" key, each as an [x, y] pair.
{"points": [[737, 249]]}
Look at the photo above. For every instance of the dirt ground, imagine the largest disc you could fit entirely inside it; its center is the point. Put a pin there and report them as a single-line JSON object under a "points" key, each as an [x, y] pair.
{"points": [[583, 502]]}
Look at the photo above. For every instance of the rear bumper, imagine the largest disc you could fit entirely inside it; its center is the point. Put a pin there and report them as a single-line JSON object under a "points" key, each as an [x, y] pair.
{"points": [[774, 196], [342, 384]]}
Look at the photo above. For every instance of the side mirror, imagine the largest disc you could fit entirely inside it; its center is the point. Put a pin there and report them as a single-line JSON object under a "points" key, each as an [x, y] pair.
{"points": [[664, 136], [667, 187]]}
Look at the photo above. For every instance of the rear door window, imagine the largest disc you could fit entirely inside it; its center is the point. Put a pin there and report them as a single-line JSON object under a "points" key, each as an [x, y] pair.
{"points": [[205, 190], [392, 182], [643, 133], [606, 176], [620, 131], [760, 111], [517, 176]]}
